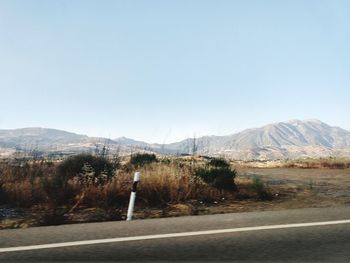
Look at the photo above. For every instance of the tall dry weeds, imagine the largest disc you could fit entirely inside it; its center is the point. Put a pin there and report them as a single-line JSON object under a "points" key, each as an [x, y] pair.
{"points": [[162, 183]]}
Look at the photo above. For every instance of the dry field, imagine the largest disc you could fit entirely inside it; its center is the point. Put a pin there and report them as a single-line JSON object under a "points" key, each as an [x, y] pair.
{"points": [[294, 188], [167, 188], [291, 188]]}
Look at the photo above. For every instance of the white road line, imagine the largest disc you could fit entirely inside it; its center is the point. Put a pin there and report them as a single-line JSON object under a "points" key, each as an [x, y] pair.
{"points": [[171, 235]]}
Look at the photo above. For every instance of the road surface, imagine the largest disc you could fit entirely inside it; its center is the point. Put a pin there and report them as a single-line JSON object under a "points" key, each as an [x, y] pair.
{"points": [[300, 235]]}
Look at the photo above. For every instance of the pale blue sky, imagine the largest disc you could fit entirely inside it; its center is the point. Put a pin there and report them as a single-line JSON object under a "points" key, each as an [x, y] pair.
{"points": [[162, 70]]}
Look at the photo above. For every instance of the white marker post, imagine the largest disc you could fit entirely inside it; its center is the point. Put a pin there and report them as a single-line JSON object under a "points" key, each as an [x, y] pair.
{"points": [[133, 196]]}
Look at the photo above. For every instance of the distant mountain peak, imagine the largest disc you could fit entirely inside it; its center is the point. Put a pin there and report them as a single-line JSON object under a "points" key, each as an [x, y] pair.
{"points": [[291, 139]]}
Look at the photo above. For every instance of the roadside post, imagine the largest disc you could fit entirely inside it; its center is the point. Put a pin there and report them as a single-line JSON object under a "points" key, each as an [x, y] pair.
{"points": [[133, 196]]}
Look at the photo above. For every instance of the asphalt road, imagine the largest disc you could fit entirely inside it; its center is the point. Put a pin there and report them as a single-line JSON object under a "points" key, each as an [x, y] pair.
{"points": [[285, 243]]}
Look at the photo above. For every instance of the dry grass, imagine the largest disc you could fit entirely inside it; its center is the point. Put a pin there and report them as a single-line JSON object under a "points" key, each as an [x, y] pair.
{"points": [[167, 188], [162, 183], [307, 163], [331, 163]]}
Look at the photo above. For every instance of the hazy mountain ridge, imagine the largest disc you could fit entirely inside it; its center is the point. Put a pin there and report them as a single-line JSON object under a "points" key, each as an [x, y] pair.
{"points": [[292, 139]]}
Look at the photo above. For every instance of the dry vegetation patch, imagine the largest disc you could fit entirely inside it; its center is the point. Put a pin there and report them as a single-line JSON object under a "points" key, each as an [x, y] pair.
{"points": [[34, 192]]}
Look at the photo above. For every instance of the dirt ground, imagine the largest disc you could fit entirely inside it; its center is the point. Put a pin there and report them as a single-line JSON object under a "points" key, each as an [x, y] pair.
{"points": [[294, 188]]}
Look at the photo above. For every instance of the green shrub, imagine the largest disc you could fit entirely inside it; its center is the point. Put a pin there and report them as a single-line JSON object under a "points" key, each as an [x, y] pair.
{"points": [[221, 178], [88, 169], [84, 170], [259, 188], [140, 159], [218, 162]]}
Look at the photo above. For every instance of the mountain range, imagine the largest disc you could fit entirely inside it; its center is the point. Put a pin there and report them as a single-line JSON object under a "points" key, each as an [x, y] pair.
{"points": [[291, 139]]}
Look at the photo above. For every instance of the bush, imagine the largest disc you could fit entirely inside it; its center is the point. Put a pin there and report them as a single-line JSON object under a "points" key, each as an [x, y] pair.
{"points": [[88, 169], [259, 188], [140, 159], [221, 178], [73, 176], [218, 162]]}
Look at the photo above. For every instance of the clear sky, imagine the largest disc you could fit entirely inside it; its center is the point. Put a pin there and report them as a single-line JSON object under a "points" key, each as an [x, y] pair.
{"points": [[163, 70]]}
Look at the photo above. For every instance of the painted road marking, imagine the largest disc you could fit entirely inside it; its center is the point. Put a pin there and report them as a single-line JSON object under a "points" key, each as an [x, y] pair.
{"points": [[171, 235]]}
